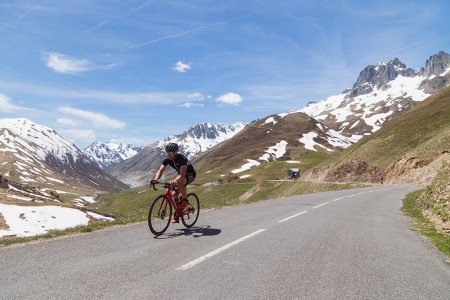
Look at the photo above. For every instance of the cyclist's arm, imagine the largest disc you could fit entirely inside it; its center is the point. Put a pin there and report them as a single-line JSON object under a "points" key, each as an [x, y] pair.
{"points": [[159, 173], [183, 170]]}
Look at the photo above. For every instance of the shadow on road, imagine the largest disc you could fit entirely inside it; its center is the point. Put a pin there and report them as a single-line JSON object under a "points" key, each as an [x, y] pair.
{"points": [[196, 231]]}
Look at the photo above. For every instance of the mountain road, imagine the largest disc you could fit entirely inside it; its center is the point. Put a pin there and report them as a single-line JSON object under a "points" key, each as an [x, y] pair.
{"points": [[349, 244]]}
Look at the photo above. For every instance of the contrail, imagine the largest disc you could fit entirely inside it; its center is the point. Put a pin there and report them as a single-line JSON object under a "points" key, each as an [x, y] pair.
{"points": [[96, 26], [189, 31], [140, 6]]}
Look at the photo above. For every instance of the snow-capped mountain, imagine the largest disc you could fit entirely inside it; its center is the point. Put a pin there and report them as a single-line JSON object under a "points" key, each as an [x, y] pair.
{"points": [[47, 140], [380, 93], [194, 141], [38, 155], [109, 154], [201, 137]]}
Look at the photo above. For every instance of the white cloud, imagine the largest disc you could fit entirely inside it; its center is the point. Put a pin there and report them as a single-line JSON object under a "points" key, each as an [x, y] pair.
{"points": [[98, 120], [66, 64], [75, 135], [230, 98], [5, 105], [181, 67], [68, 122], [196, 96], [191, 104], [193, 100], [159, 98]]}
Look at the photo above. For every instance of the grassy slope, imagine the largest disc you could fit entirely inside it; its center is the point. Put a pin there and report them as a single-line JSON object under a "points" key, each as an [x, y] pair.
{"points": [[423, 225], [232, 191], [251, 142], [435, 199]]}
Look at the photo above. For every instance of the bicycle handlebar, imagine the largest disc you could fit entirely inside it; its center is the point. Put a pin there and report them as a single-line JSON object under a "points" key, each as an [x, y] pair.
{"points": [[165, 185]]}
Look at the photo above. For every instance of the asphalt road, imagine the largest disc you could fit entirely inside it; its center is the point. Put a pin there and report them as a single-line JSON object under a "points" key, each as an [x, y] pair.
{"points": [[353, 244]]}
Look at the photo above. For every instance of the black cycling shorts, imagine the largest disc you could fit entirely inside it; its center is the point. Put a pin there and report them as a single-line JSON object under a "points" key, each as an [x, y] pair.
{"points": [[189, 178]]}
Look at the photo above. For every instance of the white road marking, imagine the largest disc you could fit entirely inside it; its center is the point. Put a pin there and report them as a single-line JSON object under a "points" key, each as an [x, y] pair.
{"points": [[320, 205], [288, 218], [217, 251]]}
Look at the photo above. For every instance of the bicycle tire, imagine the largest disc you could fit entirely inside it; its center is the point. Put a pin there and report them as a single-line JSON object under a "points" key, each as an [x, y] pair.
{"points": [[190, 214], [159, 215]]}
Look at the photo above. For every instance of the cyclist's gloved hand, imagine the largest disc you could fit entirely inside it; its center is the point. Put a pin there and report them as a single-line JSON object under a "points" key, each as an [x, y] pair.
{"points": [[174, 185], [153, 181]]}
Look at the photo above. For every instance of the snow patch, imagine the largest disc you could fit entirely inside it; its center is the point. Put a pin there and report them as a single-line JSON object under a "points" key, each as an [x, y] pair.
{"points": [[274, 152], [26, 221], [29, 221], [270, 120], [250, 163], [308, 140]]}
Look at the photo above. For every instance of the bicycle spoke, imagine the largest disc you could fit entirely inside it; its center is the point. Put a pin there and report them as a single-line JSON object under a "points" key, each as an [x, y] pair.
{"points": [[159, 215], [191, 212]]}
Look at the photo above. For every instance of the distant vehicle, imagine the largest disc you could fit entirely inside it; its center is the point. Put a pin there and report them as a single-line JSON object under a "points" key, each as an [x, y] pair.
{"points": [[293, 173]]}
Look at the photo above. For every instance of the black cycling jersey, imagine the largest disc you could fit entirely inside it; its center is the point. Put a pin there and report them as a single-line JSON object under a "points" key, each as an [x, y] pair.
{"points": [[180, 160]]}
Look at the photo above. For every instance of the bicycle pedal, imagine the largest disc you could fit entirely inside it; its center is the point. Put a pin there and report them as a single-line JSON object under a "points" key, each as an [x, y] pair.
{"points": [[189, 211]]}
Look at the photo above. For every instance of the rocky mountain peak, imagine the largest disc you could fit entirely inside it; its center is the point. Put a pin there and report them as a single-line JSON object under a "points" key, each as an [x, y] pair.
{"points": [[210, 131], [436, 65], [436, 73], [109, 154], [201, 137], [197, 139], [379, 75], [381, 92]]}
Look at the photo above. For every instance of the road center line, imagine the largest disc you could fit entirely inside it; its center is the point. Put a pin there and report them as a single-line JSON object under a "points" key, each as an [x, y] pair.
{"points": [[217, 251], [337, 199], [320, 205], [288, 218]]}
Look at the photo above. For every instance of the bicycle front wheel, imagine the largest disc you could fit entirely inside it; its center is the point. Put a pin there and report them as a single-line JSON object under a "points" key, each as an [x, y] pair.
{"points": [[159, 215], [191, 211]]}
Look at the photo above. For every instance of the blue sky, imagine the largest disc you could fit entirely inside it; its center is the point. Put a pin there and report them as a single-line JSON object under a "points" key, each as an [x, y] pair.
{"points": [[136, 71]]}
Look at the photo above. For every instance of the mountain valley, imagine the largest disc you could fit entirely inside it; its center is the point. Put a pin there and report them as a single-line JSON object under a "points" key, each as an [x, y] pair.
{"points": [[392, 124]]}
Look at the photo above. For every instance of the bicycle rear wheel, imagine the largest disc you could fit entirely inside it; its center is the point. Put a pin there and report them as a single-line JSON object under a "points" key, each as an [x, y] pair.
{"points": [[191, 212], [159, 215]]}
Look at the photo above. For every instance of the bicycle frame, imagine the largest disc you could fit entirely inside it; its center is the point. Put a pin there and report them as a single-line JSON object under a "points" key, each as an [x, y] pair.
{"points": [[169, 197]]}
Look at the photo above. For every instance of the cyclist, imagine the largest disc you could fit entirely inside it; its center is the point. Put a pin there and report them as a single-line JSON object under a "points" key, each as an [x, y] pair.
{"points": [[185, 170]]}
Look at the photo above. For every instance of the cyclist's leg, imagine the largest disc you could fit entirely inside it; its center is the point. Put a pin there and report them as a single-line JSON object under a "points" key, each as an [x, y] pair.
{"points": [[183, 189], [188, 179], [182, 182]]}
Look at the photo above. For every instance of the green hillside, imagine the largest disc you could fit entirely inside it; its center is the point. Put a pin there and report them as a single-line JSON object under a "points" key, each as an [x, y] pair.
{"points": [[217, 186], [410, 141], [217, 163], [420, 134]]}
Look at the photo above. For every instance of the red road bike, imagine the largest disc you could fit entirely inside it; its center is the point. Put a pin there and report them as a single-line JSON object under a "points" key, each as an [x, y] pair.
{"points": [[160, 212]]}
